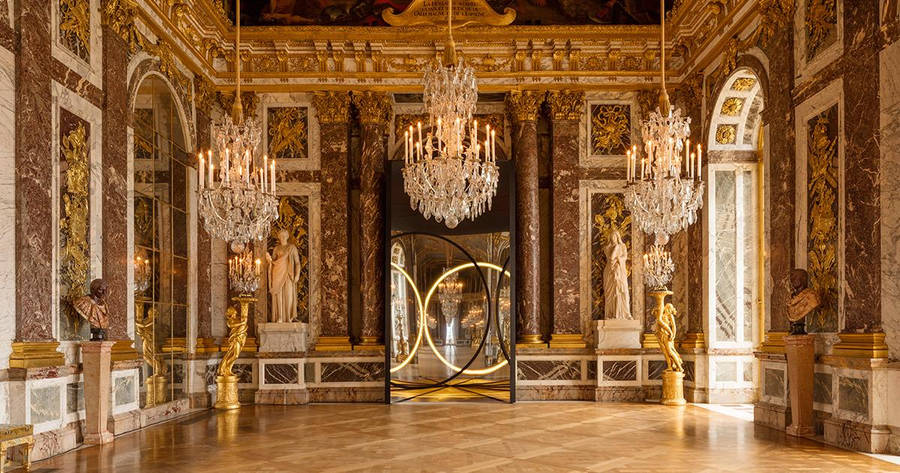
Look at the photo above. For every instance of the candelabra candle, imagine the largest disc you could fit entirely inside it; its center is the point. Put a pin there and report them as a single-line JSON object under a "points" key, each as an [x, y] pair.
{"points": [[142, 274], [658, 267], [243, 273]]}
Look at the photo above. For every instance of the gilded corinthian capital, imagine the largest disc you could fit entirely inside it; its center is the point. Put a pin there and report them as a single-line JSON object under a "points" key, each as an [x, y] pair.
{"points": [[332, 107], [523, 106], [566, 104], [374, 107]]}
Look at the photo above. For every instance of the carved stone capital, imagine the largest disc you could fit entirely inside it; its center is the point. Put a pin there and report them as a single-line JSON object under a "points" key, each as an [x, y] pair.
{"points": [[332, 107], [566, 104], [374, 107], [524, 106]]}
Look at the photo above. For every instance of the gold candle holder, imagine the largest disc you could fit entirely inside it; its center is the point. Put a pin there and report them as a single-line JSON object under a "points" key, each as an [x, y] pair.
{"points": [[226, 381]]}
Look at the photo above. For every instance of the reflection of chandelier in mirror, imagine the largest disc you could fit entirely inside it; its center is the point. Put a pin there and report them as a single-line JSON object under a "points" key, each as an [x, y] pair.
{"points": [[141, 275], [447, 174], [666, 194], [450, 295], [238, 204]]}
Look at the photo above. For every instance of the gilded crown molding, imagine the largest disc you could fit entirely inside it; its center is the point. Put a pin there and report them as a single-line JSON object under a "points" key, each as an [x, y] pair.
{"points": [[374, 107], [332, 107], [566, 104], [524, 106]]}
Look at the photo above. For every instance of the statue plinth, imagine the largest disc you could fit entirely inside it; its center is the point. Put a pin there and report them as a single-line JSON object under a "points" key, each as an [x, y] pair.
{"points": [[618, 333], [672, 388], [800, 351], [96, 357], [227, 392], [283, 337]]}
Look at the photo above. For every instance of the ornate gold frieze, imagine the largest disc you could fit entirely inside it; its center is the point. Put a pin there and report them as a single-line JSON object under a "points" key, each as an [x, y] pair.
{"points": [[332, 107], [465, 12], [743, 84], [732, 106], [524, 105], [609, 214], [373, 107], [610, 129], [566, 104], [489, 63], [75, 27], [293, 216], [74, 221], [726, 134], [821, 26], [287, 132], [822, 225]]}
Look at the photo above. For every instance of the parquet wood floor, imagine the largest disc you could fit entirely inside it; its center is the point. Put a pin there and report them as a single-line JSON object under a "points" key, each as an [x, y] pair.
{"points": [[462, 437]]}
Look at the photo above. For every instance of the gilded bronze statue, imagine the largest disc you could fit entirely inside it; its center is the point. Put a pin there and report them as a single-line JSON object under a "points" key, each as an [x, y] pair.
{"points": [[92, 307], [804, 300]]}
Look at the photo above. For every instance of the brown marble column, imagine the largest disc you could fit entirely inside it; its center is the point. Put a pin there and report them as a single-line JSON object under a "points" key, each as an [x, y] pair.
{"points": [[523, 110], [566, 109], [374, 112], [34, 222], [332, 110]]}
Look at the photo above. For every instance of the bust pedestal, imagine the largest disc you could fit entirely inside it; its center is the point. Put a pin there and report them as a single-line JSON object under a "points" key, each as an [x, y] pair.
{"points": [[95, 359], [800, 351], [618, 333], [282, 337]]}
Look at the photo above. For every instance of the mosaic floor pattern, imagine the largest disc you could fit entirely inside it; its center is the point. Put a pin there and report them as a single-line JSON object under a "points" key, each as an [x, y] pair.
{"points": [[462, 437]]}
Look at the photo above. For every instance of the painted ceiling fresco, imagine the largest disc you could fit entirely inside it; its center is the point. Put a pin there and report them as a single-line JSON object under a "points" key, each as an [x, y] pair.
{"points": [[529, 12]]}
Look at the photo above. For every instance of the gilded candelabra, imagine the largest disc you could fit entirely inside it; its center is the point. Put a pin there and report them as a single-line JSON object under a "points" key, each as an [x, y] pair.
{"points": [[226, 381], [156, 384]]}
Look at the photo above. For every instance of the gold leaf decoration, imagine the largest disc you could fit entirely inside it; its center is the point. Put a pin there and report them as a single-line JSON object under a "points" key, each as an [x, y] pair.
{"points": [[609, 214], [610, 129], [402, 122], [743, 84], [293, 216], [74, 240], [822, 226], [732, 106], [726, 134], [288, 132], [75, 27], [821, 26]]}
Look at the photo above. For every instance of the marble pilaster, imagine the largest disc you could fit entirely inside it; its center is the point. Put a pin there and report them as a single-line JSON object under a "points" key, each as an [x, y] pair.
{"points": [[374, 114], [332, 110], [34, 238], [204, 246], [523, 109], [566, 108]]}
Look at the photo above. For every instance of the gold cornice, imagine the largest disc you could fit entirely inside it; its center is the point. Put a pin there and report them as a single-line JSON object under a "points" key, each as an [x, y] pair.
{"points": [[413, 88]]}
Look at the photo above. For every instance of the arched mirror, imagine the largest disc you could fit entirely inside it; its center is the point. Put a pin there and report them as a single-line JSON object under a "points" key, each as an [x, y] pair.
{"points": [[160, 241]]}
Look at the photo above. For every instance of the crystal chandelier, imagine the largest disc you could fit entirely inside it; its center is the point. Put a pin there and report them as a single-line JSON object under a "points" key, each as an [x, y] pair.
{"points": [[448, 175], [237, 202], [666, 194], [658, 267], [243, 273]]}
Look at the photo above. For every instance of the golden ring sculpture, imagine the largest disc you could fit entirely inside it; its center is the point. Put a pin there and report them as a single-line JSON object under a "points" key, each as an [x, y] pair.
{"points": [[423, 323]]}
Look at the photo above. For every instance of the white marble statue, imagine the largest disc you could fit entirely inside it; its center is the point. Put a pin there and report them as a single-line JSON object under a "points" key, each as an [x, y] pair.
{"points": [[284, 274], [615, 279]]}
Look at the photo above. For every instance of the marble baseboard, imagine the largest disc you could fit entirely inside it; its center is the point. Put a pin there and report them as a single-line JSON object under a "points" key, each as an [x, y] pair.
{"points": [[164, 412], [555, 393], [771, 415], [284, 397], [346, 394], [54, 442], [245, 396], [731, 395], [125, 422], [700, 395], [857, 436], [200, 400], [620, 394]]}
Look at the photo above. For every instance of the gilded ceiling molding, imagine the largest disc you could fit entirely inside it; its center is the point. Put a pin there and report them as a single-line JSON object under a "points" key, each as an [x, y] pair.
{"points": [[524, 106], [374, 107], [566, 104], [425, 12], [332, 107]]}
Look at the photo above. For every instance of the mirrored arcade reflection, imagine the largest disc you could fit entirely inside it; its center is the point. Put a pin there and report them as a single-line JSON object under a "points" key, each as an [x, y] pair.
{"points": [[450, 318]]}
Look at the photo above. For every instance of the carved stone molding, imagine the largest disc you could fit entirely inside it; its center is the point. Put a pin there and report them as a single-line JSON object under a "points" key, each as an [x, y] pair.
{"points": [[524, 106], [332, 107], [374, 107], [566, 104]]}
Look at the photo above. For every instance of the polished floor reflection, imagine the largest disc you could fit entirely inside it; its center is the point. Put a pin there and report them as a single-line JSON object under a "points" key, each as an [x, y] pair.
{"points": [[463, 437]]}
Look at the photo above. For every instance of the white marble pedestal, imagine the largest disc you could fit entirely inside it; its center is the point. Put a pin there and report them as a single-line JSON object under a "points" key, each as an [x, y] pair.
{"points": [[618, 333], [287, 337]]}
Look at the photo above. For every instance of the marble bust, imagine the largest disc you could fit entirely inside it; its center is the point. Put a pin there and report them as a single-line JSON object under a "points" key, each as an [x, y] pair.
{"points": [[283, 274], [617, 300], [804, 300], [92, 308]]}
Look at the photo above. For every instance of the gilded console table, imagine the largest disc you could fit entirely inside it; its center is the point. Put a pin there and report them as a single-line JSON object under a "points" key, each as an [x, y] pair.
{"points": [[13, 436]]}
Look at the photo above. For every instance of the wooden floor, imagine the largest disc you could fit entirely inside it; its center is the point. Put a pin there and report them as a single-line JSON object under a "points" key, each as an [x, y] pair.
{"points": [[489, 437]]}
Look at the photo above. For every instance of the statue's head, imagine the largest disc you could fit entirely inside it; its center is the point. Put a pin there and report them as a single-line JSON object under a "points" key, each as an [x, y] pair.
{"points": [[98, 289], [799, 280], [283, 236], [615, 238]]}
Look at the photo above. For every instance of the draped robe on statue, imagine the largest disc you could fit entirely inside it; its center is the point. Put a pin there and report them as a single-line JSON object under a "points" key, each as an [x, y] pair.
{"points": [[283, 273], [617, 301]]}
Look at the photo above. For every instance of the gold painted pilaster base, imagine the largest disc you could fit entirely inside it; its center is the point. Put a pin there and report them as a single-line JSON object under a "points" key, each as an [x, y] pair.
{"points": [[693, 341], [207, 345], [157, 389], [530, 341], [368, 343], [123, 351], [774, 342], [227, 392], [250, 345], [334, 343], [649, 340], [567, 340], [672, 388], [35, 355], [861, 345], [174, 345]]}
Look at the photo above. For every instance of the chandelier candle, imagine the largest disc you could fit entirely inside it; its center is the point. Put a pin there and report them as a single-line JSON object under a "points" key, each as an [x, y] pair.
{"points": [[243, 273]]}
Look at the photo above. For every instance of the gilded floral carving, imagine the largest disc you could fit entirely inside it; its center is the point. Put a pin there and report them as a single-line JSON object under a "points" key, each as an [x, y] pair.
{"points": [[119, 16], [332, 107], [287, 132], [75, 27], [565, 104], [821, 26], [743, 84], [74, 220], [726, 134], [293, 216], [610, 129], [608, 214], [732, 106]]}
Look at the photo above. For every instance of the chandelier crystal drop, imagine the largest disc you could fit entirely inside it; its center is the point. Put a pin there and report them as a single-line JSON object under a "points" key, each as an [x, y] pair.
{"points": [[450, 173]]}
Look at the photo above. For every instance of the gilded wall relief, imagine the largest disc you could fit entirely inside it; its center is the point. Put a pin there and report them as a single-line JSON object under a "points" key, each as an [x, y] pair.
{"points": [[821, 26], [607, 214], [610, 129], [823, 217], [293, 215], [74, 221], [75, 27], [732, 106], [743, 84], [726, 134], [288, 132]]}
